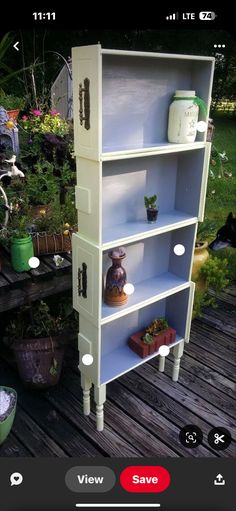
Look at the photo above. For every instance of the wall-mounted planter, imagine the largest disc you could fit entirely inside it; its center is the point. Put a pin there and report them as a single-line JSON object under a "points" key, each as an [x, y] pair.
{"points": [[8, 399], [45, 243], [143, 350]]}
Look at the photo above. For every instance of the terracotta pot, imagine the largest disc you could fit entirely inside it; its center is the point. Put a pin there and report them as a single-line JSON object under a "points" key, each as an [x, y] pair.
{"points": [[45, 243], [143, 350], [200, 257], [13, 114], [39, 361]]}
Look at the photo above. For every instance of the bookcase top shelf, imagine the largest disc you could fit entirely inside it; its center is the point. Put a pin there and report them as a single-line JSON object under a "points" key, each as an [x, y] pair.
{"points": [[149, 54], [155, 149]]}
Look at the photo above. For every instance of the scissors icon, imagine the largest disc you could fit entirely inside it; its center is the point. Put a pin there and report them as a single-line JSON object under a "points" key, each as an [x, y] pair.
{"points": [[218, 438]]}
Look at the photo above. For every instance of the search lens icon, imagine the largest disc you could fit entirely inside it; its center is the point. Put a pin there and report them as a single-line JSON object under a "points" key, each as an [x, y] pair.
{"points": [[16, 479]]}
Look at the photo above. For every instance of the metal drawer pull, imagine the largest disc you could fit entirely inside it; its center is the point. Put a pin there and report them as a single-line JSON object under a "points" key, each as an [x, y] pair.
{"points": [[84, 106], [82, 286]]}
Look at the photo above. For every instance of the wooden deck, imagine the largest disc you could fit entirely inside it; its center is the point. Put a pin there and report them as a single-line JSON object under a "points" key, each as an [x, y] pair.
{"points": [[144, 410], [21, 288]]}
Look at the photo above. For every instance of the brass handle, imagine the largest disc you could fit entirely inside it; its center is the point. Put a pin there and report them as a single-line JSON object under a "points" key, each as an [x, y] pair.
{"points": [[84, 104], [82, 281]]}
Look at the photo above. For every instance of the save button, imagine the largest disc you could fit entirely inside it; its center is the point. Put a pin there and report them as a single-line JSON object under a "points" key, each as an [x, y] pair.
{"points": [[145, 479]]}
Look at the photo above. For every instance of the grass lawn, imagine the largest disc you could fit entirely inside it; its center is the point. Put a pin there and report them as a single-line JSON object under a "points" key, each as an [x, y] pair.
{"points": [[221, 192]]}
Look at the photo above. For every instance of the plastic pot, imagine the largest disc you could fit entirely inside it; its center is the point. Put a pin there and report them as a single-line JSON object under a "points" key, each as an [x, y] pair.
{"points": [[7, 419]]}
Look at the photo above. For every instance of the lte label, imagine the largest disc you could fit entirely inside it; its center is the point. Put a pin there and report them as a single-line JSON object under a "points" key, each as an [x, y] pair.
{"points": [[188, 15]]}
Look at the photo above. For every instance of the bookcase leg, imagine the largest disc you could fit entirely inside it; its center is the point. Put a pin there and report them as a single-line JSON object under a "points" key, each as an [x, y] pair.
{"points": [[162, 364], [178, 352], [100, 398], [86, 386]]}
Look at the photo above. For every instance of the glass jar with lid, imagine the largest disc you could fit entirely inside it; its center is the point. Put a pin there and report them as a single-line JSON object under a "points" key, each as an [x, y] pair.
{"points": [[183, 117]]}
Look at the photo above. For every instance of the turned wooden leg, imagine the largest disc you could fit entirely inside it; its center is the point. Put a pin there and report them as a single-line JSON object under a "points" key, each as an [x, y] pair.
{"points": [[178, 352], [100, 398], [162, 364], [86, 386]]}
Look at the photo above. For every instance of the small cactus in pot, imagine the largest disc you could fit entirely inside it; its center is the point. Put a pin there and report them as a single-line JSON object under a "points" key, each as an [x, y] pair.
{"points": [[151, 208]]}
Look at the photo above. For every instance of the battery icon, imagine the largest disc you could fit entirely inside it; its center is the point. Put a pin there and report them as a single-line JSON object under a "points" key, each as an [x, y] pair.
{"points": [[207, 15]]}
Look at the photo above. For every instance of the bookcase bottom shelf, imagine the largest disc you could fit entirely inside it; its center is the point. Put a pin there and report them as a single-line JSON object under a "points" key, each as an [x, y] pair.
{"points": [[123, 359]]}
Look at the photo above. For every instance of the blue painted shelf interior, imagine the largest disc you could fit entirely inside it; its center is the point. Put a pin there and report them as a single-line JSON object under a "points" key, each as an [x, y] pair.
{"points": [[116, 357], [175, 179], [136, 95], [153, 267]]}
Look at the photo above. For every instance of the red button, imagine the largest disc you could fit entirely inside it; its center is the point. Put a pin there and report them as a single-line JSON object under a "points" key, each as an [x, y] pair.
{"points": [[145, 479]]}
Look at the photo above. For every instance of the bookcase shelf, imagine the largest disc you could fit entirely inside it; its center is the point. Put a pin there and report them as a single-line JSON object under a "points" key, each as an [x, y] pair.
{"points": [[116, 356], [121, 101]]}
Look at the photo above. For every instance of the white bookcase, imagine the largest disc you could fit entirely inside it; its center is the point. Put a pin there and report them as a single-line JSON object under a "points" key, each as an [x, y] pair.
{"points": [[121, 101]]}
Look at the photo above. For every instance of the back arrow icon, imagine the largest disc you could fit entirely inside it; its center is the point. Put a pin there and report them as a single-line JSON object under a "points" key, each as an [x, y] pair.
{"points": [[16, 46]]}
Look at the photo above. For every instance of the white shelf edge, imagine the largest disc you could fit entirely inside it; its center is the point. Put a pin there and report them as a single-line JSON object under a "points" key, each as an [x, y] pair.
{"points": [[144, 303], [148, 234], [178, 56], [151, 151], [142, 361]]}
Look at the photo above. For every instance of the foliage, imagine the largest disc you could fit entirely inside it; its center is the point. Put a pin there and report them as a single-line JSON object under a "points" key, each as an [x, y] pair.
{"points": [[216, 272], [221, 192], [150, 202], [59, 220], [224, 78], [6, 73], [205, 229], [40, 320], [147, 338], [42, 187], [10, 102], [50, 122], [156, 327]]}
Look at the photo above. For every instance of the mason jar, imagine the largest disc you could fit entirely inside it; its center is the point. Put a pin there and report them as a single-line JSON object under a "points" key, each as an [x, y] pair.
{"points": [[183, 117]]}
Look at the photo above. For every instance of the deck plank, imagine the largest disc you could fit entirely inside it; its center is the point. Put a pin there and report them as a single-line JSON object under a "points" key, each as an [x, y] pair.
{"points": [[109, 441], [13, 448], [192, 402], [34, 437], [202, 372], [119, 420], [220, 338], [48, 418], [171, 408], [201, 388]]}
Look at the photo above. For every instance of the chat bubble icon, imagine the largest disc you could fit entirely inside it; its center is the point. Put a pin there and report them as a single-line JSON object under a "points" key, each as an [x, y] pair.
{"points": [[16, 478]]}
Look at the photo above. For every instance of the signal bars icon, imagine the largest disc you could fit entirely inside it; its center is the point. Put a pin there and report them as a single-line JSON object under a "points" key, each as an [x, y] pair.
{"points": [[173, 17]]}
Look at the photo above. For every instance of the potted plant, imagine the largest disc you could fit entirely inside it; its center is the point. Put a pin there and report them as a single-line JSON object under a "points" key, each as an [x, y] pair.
{"points": [[52, 232], [8, 399], [21, 245], [149, 340], [12, 104], [38, 336], [151, 208]]}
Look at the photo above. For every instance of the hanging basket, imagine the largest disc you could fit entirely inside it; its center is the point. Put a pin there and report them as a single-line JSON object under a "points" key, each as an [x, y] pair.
{"points": [[45, 243]]}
